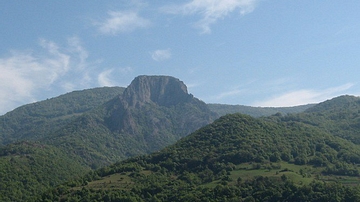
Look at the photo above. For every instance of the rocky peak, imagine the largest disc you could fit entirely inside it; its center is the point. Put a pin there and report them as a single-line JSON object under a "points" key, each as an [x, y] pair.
{"points": [[162, 90]]}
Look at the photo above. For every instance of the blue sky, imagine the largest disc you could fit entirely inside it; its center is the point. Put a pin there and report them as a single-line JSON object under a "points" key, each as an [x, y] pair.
{"points": [[248, 52]]}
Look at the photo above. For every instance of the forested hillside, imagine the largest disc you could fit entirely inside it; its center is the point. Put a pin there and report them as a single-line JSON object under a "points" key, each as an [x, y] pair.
{"points": [[35, 121], [236, 158], [29, 165], [339, 116], [28, 168]]}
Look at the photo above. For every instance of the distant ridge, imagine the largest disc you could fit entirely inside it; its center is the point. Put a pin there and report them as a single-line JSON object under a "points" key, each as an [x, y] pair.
{"points": [[341, 103], [339, 116], [223, 109]]}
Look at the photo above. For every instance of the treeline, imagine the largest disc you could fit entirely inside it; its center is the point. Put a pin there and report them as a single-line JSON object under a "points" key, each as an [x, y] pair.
{"points": [[153, 189]]}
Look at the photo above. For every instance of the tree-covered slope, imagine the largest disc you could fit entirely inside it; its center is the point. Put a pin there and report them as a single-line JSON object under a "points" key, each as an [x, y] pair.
{"points": [[339, 116], [34, 121], [28, 168], [220, 162]]}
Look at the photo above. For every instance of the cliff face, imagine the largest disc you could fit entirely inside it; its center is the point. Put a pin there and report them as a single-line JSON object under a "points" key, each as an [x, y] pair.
{"points": [[152, 113], [161, 90], [157, 111]]}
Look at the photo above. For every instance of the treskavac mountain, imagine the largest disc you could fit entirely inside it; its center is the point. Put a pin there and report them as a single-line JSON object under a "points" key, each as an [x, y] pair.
{"points": [[91, 129], [156, 111], [152, 112]]}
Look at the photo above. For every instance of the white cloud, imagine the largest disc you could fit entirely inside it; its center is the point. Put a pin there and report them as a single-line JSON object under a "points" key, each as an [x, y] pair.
{"points": [[160, 55], [125, 70], [78, 49], [229, 94], [305, 96], [28, 76], [122, 21], [104, 79], [211, 10]]}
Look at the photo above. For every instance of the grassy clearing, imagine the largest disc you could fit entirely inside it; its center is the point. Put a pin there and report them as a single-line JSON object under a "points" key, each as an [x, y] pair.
{"points": [[116, 181], [300, 174], [297, 173]]}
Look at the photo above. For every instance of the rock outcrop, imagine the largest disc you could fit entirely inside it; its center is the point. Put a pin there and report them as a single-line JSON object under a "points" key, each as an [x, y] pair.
{"points": [[157, 111], [162, 90]]}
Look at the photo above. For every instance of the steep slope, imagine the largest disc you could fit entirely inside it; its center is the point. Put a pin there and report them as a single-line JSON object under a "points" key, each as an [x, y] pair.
{"points": [[223, 109], [153, 112], [219, 162], [158, 110], [35, 121]]}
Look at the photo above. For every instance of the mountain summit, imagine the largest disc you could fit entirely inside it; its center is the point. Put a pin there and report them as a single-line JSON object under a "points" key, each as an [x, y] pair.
{"points": [[162, 90], [157, 111]]}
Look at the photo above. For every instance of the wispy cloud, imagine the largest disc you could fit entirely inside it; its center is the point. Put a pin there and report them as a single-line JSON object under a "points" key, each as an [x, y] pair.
{"points": [[121, 21], [104, 79], [78, 49], [229, 94], [160, 55], [211, 10], [304, 96], [28, 76]]}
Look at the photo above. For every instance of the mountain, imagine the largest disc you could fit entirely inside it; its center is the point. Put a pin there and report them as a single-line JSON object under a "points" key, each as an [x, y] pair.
{"points": [[84, 131], [104, 125], [223, 109], [153, 112], [235, 158]]}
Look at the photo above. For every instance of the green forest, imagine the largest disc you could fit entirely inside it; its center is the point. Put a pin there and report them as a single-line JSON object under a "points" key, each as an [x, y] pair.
{"points": [[236, 158]]}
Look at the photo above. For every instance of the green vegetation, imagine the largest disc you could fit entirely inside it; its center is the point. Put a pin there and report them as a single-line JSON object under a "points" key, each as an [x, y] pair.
{"points": [[339, 116], [235, 158], [37, 120], [30, 168]]}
